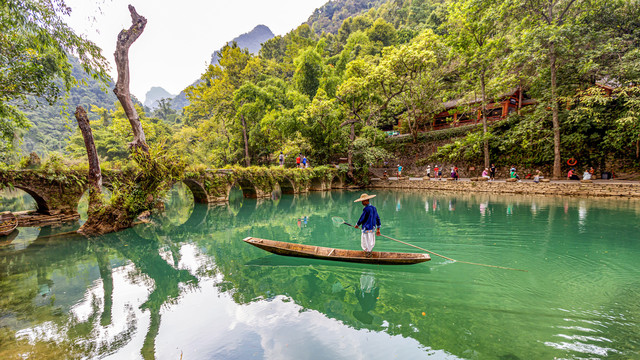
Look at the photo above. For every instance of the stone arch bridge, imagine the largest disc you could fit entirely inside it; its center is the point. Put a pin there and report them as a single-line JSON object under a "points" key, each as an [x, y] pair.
{"points": [[60, 191]]}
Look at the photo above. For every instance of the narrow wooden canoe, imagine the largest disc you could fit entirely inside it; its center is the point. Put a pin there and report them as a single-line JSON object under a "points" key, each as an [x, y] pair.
{"points": [[319, 252], [8, 223]]}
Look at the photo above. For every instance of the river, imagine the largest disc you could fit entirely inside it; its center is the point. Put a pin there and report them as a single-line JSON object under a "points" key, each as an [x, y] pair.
{"points": [[185, 285]]}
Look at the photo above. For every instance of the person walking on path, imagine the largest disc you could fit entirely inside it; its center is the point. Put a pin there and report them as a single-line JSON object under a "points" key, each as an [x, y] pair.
{"points": [[281, 159], [304, 162], [429, 171], [399, 170], [492, 172], [369, 221], [436, 172], [298, 161]]}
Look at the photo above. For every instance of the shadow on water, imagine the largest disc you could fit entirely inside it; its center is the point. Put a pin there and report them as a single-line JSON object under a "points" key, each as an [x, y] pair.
{"points": [[278, 260]]}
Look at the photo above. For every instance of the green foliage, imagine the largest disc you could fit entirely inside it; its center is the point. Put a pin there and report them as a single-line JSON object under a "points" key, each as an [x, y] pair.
{"points": [[112, 132], [308, 72], [34, 59], [323, 88], [141, 187], [329, 17]]}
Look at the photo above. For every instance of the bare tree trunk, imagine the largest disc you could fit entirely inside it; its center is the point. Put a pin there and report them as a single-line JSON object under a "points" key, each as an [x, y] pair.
{"points": [[352, 137], [95, 174], [484, 121], [94, 222], [125, 39], [475, 98], [557, 170], [246, 141], [520, 96], [413, 114]]}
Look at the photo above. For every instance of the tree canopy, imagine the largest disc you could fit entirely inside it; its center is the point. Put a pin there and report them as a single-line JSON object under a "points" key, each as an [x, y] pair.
{"points": [[35, 45], [329, 88]]}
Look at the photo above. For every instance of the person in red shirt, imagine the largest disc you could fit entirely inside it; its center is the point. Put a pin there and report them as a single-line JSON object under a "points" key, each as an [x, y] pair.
{"points": [[298, 161]]}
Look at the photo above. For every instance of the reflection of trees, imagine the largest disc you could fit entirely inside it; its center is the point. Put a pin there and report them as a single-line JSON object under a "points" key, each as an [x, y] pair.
{"points": [[16, 200], [30, 293], [389, 299], [334, 289], [145, 255], [215, 229], [31, 275]]}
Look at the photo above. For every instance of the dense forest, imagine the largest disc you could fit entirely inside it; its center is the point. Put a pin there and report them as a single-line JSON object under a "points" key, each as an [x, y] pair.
{"points": [[52, 125], [329, 93]]}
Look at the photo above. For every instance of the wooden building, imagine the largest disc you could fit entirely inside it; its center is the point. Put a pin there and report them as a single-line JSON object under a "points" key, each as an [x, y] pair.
{"points": [[460, 113]]}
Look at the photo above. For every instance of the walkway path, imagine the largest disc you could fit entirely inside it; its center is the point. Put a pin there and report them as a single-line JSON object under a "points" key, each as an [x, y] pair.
{"points": [[596, 188]]}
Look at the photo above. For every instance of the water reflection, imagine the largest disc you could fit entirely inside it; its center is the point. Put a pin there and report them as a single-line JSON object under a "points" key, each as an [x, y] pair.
{"points": [[582, 215], [185, 284], [367, 294], [16, 200]]}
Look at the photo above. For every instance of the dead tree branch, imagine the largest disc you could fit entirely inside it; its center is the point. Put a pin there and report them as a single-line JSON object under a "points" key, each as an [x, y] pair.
{"points": [[125, 39]]}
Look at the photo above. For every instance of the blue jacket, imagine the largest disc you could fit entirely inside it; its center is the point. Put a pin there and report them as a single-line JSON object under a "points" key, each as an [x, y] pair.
{"points": [[369, 218]]}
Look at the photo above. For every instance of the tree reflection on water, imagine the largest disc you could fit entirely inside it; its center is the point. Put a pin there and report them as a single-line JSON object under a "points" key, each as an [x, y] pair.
{"points": [[74, 297]]}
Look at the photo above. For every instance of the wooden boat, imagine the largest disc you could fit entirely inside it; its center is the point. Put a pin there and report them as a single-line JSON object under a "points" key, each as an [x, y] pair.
{"points": [[8, 223], [319, 252]]}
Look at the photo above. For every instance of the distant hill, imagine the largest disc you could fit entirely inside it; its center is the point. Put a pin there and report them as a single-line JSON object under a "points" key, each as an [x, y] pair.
{"points": [[252, 41], [154, 94]]}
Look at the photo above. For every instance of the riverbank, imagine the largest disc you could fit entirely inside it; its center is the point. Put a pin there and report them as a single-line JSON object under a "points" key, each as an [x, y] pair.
{"points": [[596, 188]]}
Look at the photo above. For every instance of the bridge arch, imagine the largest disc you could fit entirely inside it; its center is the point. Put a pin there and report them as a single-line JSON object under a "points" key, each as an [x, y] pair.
{"points": [[42, 205], [337, 183], [317, 184], [248, 188], [198, 191], [286, 186]]}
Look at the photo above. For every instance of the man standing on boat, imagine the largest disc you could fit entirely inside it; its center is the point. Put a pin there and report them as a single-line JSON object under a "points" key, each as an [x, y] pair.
{"points": [[370, 221]]}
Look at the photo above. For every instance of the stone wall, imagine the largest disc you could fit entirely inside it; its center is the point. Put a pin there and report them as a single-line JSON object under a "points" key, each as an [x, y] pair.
{"points": [[595, 189]]}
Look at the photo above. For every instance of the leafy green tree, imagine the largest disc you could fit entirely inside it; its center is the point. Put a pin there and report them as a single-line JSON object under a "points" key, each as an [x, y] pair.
{"points": [[477, 34], [410, 80], [382, 33], [356, 97], [308, 72], [322, 120], [556, 36], [34, 46], [165, 111]]}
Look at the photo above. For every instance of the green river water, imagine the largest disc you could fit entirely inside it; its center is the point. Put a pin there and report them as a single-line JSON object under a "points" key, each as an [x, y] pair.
{"points": [[186, 286]]}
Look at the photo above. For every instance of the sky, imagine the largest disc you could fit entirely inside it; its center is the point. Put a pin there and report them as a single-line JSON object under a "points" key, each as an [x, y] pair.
{"points": [[180, 36]]}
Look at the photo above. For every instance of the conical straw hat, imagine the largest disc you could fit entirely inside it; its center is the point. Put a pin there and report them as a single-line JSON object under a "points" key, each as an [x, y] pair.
{"points": [[364, 197]]}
